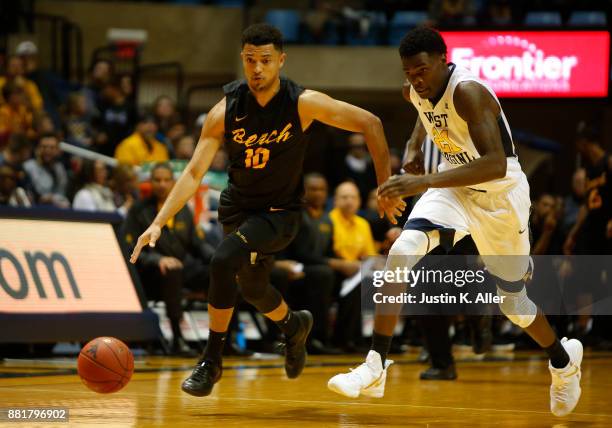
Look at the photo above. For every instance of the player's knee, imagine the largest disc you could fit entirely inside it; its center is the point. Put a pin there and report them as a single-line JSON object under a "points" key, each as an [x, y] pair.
{"points": [[408, 249], [517, 306], [410, 243], [230, 256]]}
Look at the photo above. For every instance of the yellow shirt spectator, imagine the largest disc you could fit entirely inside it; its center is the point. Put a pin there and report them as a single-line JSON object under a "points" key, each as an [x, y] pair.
{"points": [[135, 151], [31, 90], [352, 237]]}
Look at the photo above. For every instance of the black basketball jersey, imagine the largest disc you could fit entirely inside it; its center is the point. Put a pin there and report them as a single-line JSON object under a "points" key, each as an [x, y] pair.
{"points": [[599, 202], [266, 148]]}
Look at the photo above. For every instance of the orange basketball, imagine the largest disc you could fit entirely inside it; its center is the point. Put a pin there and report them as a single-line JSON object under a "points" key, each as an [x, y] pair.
{"points": [[105, 365]]}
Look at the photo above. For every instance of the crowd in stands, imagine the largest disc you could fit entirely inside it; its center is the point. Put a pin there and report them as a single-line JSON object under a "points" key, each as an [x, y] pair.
{"points": [[383, 22]]}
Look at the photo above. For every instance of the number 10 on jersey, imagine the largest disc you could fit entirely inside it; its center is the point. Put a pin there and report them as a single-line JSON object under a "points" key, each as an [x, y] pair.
{"points": [[257, 158]]}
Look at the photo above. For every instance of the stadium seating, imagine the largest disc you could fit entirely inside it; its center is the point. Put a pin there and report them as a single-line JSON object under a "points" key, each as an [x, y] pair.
{"points": [[402, 22], [287, 21], [588, 18], [543, 19]]}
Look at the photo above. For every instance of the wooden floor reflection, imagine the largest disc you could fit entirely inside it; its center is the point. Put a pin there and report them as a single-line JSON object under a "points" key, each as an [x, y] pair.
{"points": [[257, 394]]}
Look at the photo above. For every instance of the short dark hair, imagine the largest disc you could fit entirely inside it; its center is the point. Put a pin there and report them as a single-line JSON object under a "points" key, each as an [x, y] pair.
{"points": [[422, 39], [314, 176], [263, 34], [162, 165], [48, 135]]}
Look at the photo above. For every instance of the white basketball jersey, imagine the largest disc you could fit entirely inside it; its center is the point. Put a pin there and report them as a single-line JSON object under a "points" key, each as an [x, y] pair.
{"points": [[451, 135]]}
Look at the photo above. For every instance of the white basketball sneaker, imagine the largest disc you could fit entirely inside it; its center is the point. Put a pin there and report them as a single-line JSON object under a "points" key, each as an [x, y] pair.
{"points": [[368, 379], [565, 389]]}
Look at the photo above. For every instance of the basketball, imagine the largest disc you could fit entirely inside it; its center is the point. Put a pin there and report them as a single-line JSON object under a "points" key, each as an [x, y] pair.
{"points": [[105, 365]]}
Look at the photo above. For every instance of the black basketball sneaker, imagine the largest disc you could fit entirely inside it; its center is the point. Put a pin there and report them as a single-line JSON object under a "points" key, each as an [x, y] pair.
{"points": [[295, 347], [203, 378]]}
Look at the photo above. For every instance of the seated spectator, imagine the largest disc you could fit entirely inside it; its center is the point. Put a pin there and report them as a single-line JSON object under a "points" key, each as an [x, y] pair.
{"points": [[47, 174], [216, 177], [573, 202], [358, 167], [546, 231], [310, 279], [18, 150], [76, 123], [94, 194], [184, 147], [124, 183], [353, 239], [15, 116], [126, 84], [497, 12], [352, 242], [176, 131], [10, 192], [46, 81], [15, 73], [180, 258], [379, 226], [452, 12], [43, 124], [164, 110], [317, 19], [141, 146], [101, 73], [117, 118]]}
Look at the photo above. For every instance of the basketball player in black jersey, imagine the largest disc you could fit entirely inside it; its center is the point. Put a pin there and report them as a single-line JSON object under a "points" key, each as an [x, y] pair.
{"points": [[263, 122]]}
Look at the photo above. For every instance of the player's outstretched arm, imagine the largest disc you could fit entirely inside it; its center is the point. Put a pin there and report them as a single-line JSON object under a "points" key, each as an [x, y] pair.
{"points": [[315, 105], [480, 110], [211, 139]]}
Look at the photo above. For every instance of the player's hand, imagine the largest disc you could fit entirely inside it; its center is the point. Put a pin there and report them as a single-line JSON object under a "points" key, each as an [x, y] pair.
{"points": [[400, 186], [414, 162], [169, 263], [149, 236], [391, 207]]}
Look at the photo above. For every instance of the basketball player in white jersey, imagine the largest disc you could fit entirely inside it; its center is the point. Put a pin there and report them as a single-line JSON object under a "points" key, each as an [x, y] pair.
{"points": [[480, 190]]}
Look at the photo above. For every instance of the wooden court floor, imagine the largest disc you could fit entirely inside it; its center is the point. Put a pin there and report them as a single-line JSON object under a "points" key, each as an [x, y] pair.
{"points": [[491, 393]]}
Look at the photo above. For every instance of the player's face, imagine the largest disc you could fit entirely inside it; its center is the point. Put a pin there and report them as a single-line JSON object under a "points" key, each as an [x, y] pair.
{"points": [[261, 65], [162, 182], [426, 72]]}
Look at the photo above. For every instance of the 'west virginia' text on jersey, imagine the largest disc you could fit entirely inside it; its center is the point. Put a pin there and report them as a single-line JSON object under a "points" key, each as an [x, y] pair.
{"points": [[450, 132]]}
